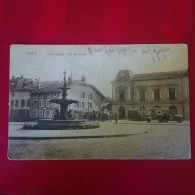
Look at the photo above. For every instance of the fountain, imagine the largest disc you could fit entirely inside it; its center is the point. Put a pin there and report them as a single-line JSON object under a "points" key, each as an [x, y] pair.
{"points": [[64, 102], [62, 119]]}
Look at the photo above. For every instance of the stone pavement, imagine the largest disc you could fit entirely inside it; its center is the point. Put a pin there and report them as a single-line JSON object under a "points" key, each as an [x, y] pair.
{"points": [[107, 129], [125, 140]]}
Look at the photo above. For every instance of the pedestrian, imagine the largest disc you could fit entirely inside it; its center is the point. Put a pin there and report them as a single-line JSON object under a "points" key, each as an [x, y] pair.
{"points": [[103, 117], [98, 116], [94, 117], [116, 118]]}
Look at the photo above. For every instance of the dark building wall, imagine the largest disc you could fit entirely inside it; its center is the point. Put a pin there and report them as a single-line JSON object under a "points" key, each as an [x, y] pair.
{"points": [[41, 107], [19, 105]]}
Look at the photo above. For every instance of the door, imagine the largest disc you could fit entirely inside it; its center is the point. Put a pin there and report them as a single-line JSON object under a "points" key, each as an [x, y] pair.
{"points": [[121, 112]]}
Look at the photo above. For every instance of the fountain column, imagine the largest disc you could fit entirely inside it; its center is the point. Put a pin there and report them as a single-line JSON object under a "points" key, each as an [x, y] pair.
{"points": [[64, 102]]}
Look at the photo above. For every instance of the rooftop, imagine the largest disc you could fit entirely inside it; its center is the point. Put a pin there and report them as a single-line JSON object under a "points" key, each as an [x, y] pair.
{"points": [[126, 75], [160, 75], [55, 87]]}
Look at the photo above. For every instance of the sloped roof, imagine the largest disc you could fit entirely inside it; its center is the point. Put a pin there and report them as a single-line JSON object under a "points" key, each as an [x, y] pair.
{"points": [[19, 83], [160, 75], [33, 86], [49, 86], [88, 84], [123, 75], [55, 87]]}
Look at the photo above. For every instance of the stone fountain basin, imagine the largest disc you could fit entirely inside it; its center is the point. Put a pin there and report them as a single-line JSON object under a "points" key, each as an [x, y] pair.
{"points": [[63, 124]]}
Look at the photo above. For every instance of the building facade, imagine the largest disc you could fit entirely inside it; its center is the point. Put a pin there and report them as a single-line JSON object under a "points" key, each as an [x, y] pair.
{"points": [[88, 96], [40, 104], [163, 90], [30, 100], [19, 99]]}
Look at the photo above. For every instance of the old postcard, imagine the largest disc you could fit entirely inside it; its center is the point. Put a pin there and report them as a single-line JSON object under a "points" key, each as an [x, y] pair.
{"points": [[99, 102]]}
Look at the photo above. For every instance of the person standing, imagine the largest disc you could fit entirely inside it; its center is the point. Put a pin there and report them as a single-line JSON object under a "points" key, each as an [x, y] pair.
{"points": [[98, 116], [103, 117], [116, 118]]}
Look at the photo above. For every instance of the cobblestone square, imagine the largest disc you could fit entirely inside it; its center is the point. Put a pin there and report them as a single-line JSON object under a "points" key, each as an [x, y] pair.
{"points": [[124, 140]]}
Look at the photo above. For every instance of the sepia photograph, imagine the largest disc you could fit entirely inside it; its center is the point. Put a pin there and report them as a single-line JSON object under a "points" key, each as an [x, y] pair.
{"points": [[99, 102]]}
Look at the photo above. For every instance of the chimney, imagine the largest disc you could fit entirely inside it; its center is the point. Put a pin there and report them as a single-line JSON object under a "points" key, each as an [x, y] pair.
{"points": [[22, 77]]}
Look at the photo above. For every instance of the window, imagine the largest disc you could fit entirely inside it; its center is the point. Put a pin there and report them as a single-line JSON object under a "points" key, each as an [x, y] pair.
{"points": [[53, 113], [54, 95], [16, 113], [156, 94], [48, 95], [122, 95], [41, 103], [83, 94], [34, 104], [47, 103], [40, 113], [91, 106], [172, 93], [12, 112], [91, 96], [13, 94], [12, 103], [16, 103], [22, 103], [48, 114], [142, 95], [83, 104], [41, 95], [34, 114], [28, 103]]}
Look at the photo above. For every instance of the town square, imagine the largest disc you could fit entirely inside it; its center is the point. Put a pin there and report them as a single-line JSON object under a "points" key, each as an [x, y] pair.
{"points": [[82, 112]]}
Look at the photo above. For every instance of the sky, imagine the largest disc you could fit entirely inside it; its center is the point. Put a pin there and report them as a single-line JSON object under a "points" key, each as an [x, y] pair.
{"points": [[99, 63]]}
